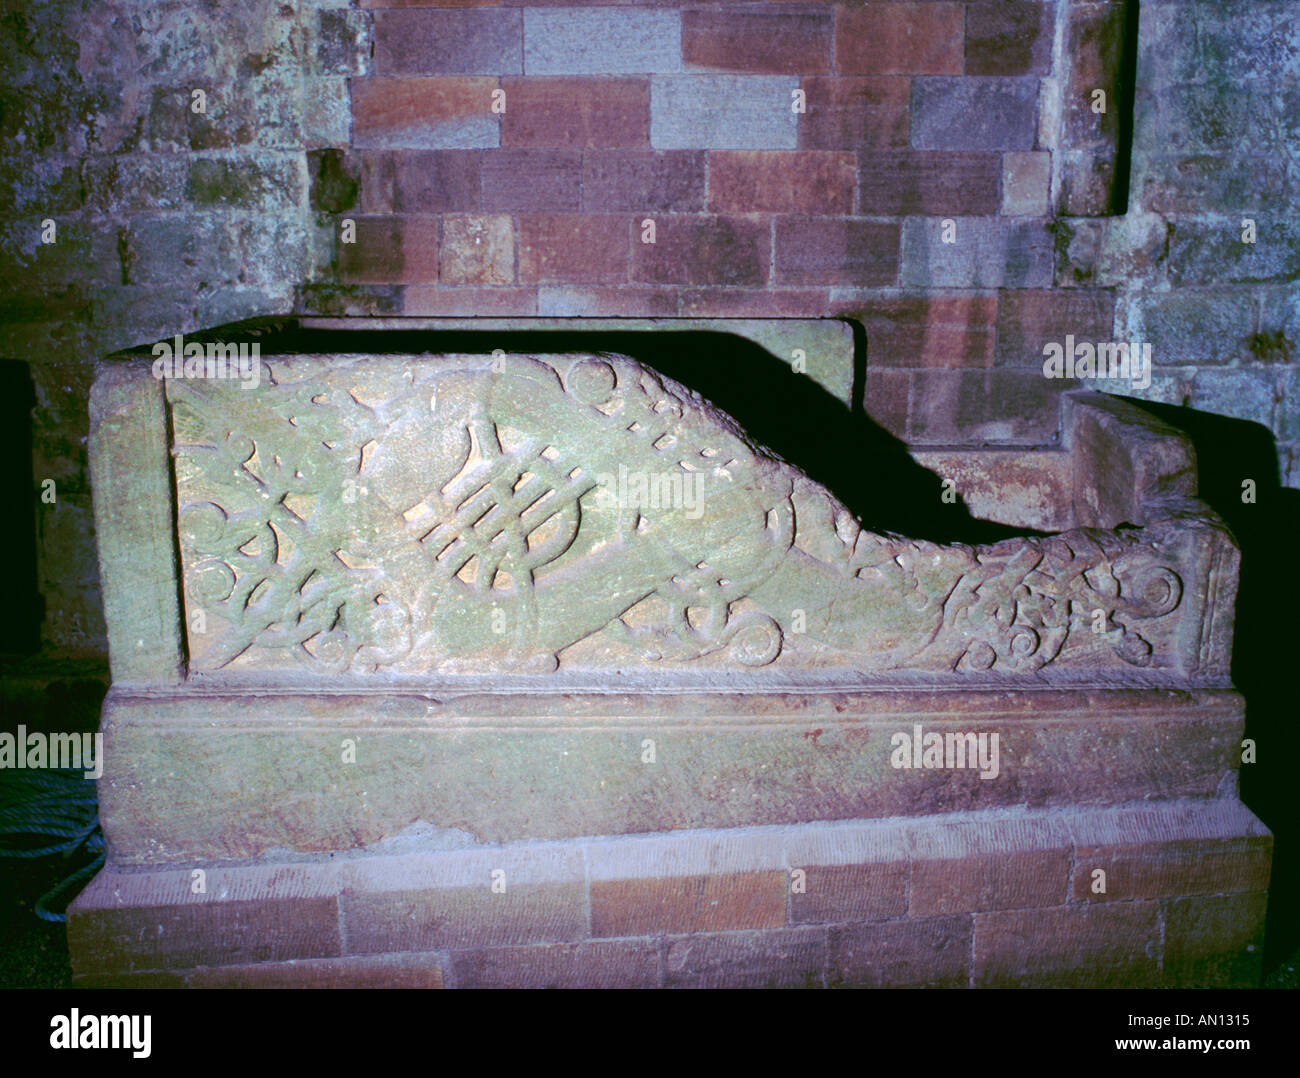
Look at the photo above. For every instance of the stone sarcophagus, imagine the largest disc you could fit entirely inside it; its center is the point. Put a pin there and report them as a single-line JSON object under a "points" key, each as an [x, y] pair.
{"points": [[535, 669]]}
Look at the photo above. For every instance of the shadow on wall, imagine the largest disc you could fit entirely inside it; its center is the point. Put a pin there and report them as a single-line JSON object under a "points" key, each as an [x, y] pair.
{"points": [[838, 445], [1229, 452], [20, 598]]}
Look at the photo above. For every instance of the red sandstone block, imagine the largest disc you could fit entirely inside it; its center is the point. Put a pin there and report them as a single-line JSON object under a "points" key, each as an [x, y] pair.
{"points": [[781, 181], [1164, 869], [663, 181], [754, 303], [1214, 942], [766, 42], [436, 181], [477, 249], [431, 113], [687, 883], [887, 399], [933, 953], [472, 898], [595, 964], [1069, 947], [970, 407], [391, 250], [607, 302], [449, 42], [1029, 319], [928, 183], [855, 113], [532, 179], [378, 171], [903, 38], [775, 958], [1095, 44], [1206, 848], [576, 112], [840, 893], [432, 302], [1008, 37], [420, 181], [362, 971], [204, 930], [962, 869], [923, 331], [698, 903], [835, 250], [848, 873], [700, 249], [573, 248]]}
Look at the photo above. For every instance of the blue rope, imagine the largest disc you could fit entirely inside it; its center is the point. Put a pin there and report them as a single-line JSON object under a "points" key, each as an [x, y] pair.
{"points": [[46, 813]]}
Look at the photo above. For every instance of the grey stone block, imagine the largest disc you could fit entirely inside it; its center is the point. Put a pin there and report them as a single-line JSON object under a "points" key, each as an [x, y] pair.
{"points": [[974, 113], [1211, 326], [1247, 39], [1241, 394], [741, 112], [1167, 44], [326, 113], [342, 44], [1278, 339], [1182, 183], [989, 252], [1213, 117], [220, 306], [1210, 250], [174, 248], [601, 41]]}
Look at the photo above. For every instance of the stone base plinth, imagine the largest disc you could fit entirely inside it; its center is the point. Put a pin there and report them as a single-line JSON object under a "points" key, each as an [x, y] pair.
{"points": [[674, 838], [198, 777], [1169, 893]]}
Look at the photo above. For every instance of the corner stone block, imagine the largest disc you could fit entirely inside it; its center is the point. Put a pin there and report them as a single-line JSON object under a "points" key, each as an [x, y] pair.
{"points": [[155, 920], [137, 565], [1215, 941]]}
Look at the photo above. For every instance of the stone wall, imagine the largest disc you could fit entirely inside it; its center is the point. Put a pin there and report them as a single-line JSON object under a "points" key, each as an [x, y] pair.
{"points": [[169, 217], [164, 218]]}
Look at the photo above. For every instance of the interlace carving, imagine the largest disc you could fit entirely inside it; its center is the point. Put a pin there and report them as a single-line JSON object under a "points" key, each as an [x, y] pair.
{"points": [[424, 514]]}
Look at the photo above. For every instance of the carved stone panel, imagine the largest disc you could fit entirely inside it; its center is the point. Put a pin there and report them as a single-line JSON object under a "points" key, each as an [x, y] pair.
{"points": [[406, 516]]}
